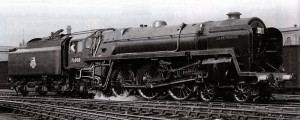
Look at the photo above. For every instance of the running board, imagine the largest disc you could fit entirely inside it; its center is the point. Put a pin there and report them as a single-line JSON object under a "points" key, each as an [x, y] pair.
{"points": [[158, 85]]}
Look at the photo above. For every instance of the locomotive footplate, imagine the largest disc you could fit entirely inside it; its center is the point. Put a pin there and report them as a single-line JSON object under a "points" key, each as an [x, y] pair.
{"points": [[274, 78]]}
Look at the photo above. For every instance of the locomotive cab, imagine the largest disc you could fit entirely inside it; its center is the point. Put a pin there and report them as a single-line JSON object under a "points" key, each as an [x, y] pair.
{"points": [[80, 47]]}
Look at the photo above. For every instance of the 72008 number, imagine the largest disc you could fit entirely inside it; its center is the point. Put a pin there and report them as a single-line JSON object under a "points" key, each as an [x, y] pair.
{"points": [[75, 60]]}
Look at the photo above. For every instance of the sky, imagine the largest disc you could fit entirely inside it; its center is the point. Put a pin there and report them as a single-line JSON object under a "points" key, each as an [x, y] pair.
{"points": [[28, 19]]}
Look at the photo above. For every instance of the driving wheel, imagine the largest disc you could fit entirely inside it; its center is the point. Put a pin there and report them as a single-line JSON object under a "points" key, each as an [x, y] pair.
{"points": [[119, 78], [182, 91], [149, 75]]}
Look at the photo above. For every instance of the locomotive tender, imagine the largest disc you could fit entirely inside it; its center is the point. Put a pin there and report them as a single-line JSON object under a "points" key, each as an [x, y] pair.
{"points": [[237, 57]]}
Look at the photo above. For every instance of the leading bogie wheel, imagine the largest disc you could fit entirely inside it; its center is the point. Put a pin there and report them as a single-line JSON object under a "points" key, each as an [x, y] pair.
{"points": [[207, 92], [242, 92], [149, 75]]}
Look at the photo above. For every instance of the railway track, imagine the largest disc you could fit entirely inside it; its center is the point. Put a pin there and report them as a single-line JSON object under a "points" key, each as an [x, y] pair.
{"points": [[48, 111], [64, 108]]}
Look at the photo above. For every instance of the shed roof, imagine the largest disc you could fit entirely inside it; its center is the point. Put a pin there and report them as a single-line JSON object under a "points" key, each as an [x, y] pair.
{"points": [[289, 29]]}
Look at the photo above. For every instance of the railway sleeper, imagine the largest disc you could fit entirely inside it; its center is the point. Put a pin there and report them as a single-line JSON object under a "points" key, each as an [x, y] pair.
{"points": [[124, 108], [168, 112], [156, 111], [42, 115]]}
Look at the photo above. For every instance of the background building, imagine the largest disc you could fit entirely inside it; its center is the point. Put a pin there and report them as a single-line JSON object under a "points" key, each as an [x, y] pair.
{"points": [[3, 66], [291, 36], [291, 54]]}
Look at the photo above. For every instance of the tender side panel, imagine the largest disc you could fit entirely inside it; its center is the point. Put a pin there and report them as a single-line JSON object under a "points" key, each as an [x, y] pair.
{"points": [[3, 75], [37, 61]]}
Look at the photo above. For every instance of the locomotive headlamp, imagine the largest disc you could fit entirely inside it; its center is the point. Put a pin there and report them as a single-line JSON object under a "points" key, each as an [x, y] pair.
{"points": [[260, 30]]}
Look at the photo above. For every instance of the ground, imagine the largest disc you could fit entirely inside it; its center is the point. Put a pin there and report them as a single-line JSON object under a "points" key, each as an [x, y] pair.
{"points": [[12, 116], [6, 114]]}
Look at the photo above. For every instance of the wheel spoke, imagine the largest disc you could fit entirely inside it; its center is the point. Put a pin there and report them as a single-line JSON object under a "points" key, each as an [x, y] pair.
{"points": [[181, 94], [245, 95], [186, 92], [188, 89]]}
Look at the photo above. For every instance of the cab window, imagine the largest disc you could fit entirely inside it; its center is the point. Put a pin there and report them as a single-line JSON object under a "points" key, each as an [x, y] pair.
{"points": [[79, 46], [88, 43]]}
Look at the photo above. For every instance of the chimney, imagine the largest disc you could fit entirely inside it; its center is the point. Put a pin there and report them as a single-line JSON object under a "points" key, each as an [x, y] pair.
{"points": [[234, 15], [69, 29]]}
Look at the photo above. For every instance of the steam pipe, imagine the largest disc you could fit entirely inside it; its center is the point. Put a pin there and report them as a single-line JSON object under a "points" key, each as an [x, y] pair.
{"points": [[178, 38]]}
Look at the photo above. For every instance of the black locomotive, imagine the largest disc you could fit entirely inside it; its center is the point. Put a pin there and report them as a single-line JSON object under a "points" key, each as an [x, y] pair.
{"points": [[234, 58]]}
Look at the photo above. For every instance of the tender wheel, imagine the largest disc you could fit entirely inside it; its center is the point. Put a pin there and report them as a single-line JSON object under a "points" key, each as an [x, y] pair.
{"points": [[149, 75], [119, 78], [24, 92], [58, 93], [182, 91], [42, 93], [207, 92], [242, 92]]}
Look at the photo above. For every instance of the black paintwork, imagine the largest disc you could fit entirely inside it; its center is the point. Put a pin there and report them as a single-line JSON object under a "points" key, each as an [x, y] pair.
{"points": [[90, 57]]}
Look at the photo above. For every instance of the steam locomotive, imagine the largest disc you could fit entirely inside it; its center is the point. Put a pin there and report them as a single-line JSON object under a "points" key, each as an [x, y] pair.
{"points": [[237, 58]]}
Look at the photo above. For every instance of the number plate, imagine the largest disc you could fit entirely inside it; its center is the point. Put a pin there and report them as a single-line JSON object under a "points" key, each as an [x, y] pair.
{"points": [[75, 60]]}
